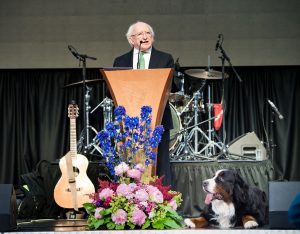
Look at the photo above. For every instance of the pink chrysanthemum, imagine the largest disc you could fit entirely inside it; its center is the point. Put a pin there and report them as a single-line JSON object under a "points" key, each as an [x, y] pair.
{"points": [[138, 217], [125, 190], [133, 186], [173, 204], [119, 217], [141, 195], [134, 174], [97, 213], [155, 195], [105, 193]]}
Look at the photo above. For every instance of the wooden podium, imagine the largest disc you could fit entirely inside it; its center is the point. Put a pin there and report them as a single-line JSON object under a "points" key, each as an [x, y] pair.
{"points": [[136, 88]]}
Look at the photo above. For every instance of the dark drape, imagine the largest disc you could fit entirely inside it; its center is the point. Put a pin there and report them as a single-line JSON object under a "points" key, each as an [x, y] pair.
{"points": [[34, 123], [188, 179]]}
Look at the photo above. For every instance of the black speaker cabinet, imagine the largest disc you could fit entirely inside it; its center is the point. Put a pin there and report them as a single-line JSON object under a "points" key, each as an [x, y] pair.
{"points": [[281, 194], [8, 212], [247, 146]]}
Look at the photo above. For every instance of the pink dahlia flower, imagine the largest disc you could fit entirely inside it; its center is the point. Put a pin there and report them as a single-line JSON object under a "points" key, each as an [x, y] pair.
{"points": [[141, 195], [134, 174], [119, 217], [105, 193], [155, 195], [173, 204], [97, 213], [138, 217], [125, 190]]}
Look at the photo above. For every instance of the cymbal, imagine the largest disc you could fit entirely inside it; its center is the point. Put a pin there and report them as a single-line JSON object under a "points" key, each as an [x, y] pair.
{"points": [[81, 83], [203, 74]]}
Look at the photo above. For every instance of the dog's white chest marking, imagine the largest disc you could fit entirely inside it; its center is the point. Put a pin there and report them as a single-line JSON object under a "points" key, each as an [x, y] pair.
{"points": [[223, 213]]}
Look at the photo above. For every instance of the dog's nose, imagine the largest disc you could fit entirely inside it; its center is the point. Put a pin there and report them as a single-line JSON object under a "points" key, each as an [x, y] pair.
{"points": [[205, 183]]}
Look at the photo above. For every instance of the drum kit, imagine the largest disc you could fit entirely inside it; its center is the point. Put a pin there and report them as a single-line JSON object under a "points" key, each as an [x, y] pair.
{"points": [[189, 141]]}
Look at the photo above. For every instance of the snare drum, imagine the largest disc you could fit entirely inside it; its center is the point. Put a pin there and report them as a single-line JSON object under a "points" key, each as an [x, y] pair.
{"points": [[175, 138]]}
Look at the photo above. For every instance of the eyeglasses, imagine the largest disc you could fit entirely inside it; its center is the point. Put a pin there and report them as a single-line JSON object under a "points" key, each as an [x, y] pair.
{"points": [[140, 34]]}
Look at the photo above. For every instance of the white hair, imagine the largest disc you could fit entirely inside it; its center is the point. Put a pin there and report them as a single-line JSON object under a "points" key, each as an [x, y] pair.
{"points": [[131, 29]]}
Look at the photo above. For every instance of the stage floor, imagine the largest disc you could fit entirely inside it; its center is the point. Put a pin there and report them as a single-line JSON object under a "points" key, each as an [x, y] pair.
{"points": [[79, 226]]}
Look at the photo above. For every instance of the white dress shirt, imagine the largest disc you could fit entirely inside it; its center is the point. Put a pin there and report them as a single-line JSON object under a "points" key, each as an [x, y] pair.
{"points": [[147, 54]]}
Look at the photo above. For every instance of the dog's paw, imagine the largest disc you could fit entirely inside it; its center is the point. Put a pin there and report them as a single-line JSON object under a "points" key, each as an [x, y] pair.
{"points": [[250, 224], [189, 223]]}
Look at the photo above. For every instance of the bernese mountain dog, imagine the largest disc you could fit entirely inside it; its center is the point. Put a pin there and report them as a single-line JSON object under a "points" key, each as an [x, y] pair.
{"points": [[231, 202]]}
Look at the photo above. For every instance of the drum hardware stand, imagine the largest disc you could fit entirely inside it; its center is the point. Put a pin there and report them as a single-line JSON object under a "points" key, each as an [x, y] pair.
{"points": [[185, 146], [223, 57], [86, 90], [107, 106], [209, 148]]}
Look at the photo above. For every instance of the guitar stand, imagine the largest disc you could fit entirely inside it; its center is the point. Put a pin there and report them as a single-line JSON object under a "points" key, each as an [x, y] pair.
{"points": [[74, 215]]}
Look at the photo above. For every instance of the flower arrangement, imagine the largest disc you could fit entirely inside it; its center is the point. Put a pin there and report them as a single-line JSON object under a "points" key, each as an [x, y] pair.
{"points": [[131, 200]]}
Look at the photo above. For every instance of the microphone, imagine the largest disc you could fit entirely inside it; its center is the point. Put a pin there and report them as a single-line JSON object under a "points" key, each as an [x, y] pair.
{"points": [[218, 42], [280, 116], [138, 62], [177, 65], [79, 56], [73, 51]]}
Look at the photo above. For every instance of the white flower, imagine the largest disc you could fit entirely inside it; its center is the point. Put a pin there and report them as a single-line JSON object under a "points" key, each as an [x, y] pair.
{"points": [[121, 169]]}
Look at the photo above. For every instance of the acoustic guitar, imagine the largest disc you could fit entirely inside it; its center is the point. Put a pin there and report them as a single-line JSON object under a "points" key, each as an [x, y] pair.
{"points": [[72, 189]]}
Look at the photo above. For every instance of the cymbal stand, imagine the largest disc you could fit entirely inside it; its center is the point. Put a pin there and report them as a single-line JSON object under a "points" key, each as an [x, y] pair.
{"points": [[87, 98], [194, 133], [209, 148]]}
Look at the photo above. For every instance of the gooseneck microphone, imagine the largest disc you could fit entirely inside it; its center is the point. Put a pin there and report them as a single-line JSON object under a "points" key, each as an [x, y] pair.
{"points": [[138, 62], [218, 42], [280, 116], [79, 56], [73, 51]]}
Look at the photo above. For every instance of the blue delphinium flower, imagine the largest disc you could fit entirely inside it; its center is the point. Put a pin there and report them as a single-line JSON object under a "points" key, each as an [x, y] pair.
{"points": [[146, 113], [123, 138], [156, 136], [119, 113]]}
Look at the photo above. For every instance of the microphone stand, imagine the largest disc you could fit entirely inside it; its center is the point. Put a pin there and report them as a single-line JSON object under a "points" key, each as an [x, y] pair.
{"points": [[86, 93], [224, 57], [271, 145]]}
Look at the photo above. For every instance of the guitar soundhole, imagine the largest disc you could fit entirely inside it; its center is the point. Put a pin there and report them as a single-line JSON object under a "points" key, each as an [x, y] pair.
{"points": [[76, 171]]}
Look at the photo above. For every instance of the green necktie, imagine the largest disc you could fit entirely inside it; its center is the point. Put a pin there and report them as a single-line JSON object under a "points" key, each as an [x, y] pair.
{"points": [[141, 61]]}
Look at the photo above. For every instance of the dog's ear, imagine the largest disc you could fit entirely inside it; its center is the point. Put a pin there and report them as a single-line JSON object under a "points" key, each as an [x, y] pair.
{"points": [[240, 190]]}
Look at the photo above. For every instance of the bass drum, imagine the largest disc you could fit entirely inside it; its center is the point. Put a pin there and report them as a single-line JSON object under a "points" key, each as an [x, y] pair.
{"points": [[175, 138]]}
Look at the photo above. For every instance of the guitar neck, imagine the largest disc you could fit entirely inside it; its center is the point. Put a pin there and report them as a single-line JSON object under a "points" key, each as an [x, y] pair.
{"points": [[73, 140]]}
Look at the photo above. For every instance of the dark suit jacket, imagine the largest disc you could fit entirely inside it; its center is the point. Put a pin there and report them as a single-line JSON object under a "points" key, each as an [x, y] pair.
{"points": [[158, 59]]}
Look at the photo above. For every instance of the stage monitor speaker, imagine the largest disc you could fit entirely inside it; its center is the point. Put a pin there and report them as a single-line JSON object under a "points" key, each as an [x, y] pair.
{"points": [[247, 146], [281, 194], [8, 205]]}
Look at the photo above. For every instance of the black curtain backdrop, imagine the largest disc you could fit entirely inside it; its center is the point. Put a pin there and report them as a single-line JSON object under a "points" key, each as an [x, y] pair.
{"points": [[35, 124]]}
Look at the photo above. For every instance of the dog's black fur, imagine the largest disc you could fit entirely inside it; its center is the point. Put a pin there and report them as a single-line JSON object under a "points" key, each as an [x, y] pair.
{"points": [[232, 203]]}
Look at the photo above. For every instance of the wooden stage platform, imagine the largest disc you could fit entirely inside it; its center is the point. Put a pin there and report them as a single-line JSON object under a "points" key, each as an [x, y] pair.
{"points": [[79, 226]]}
